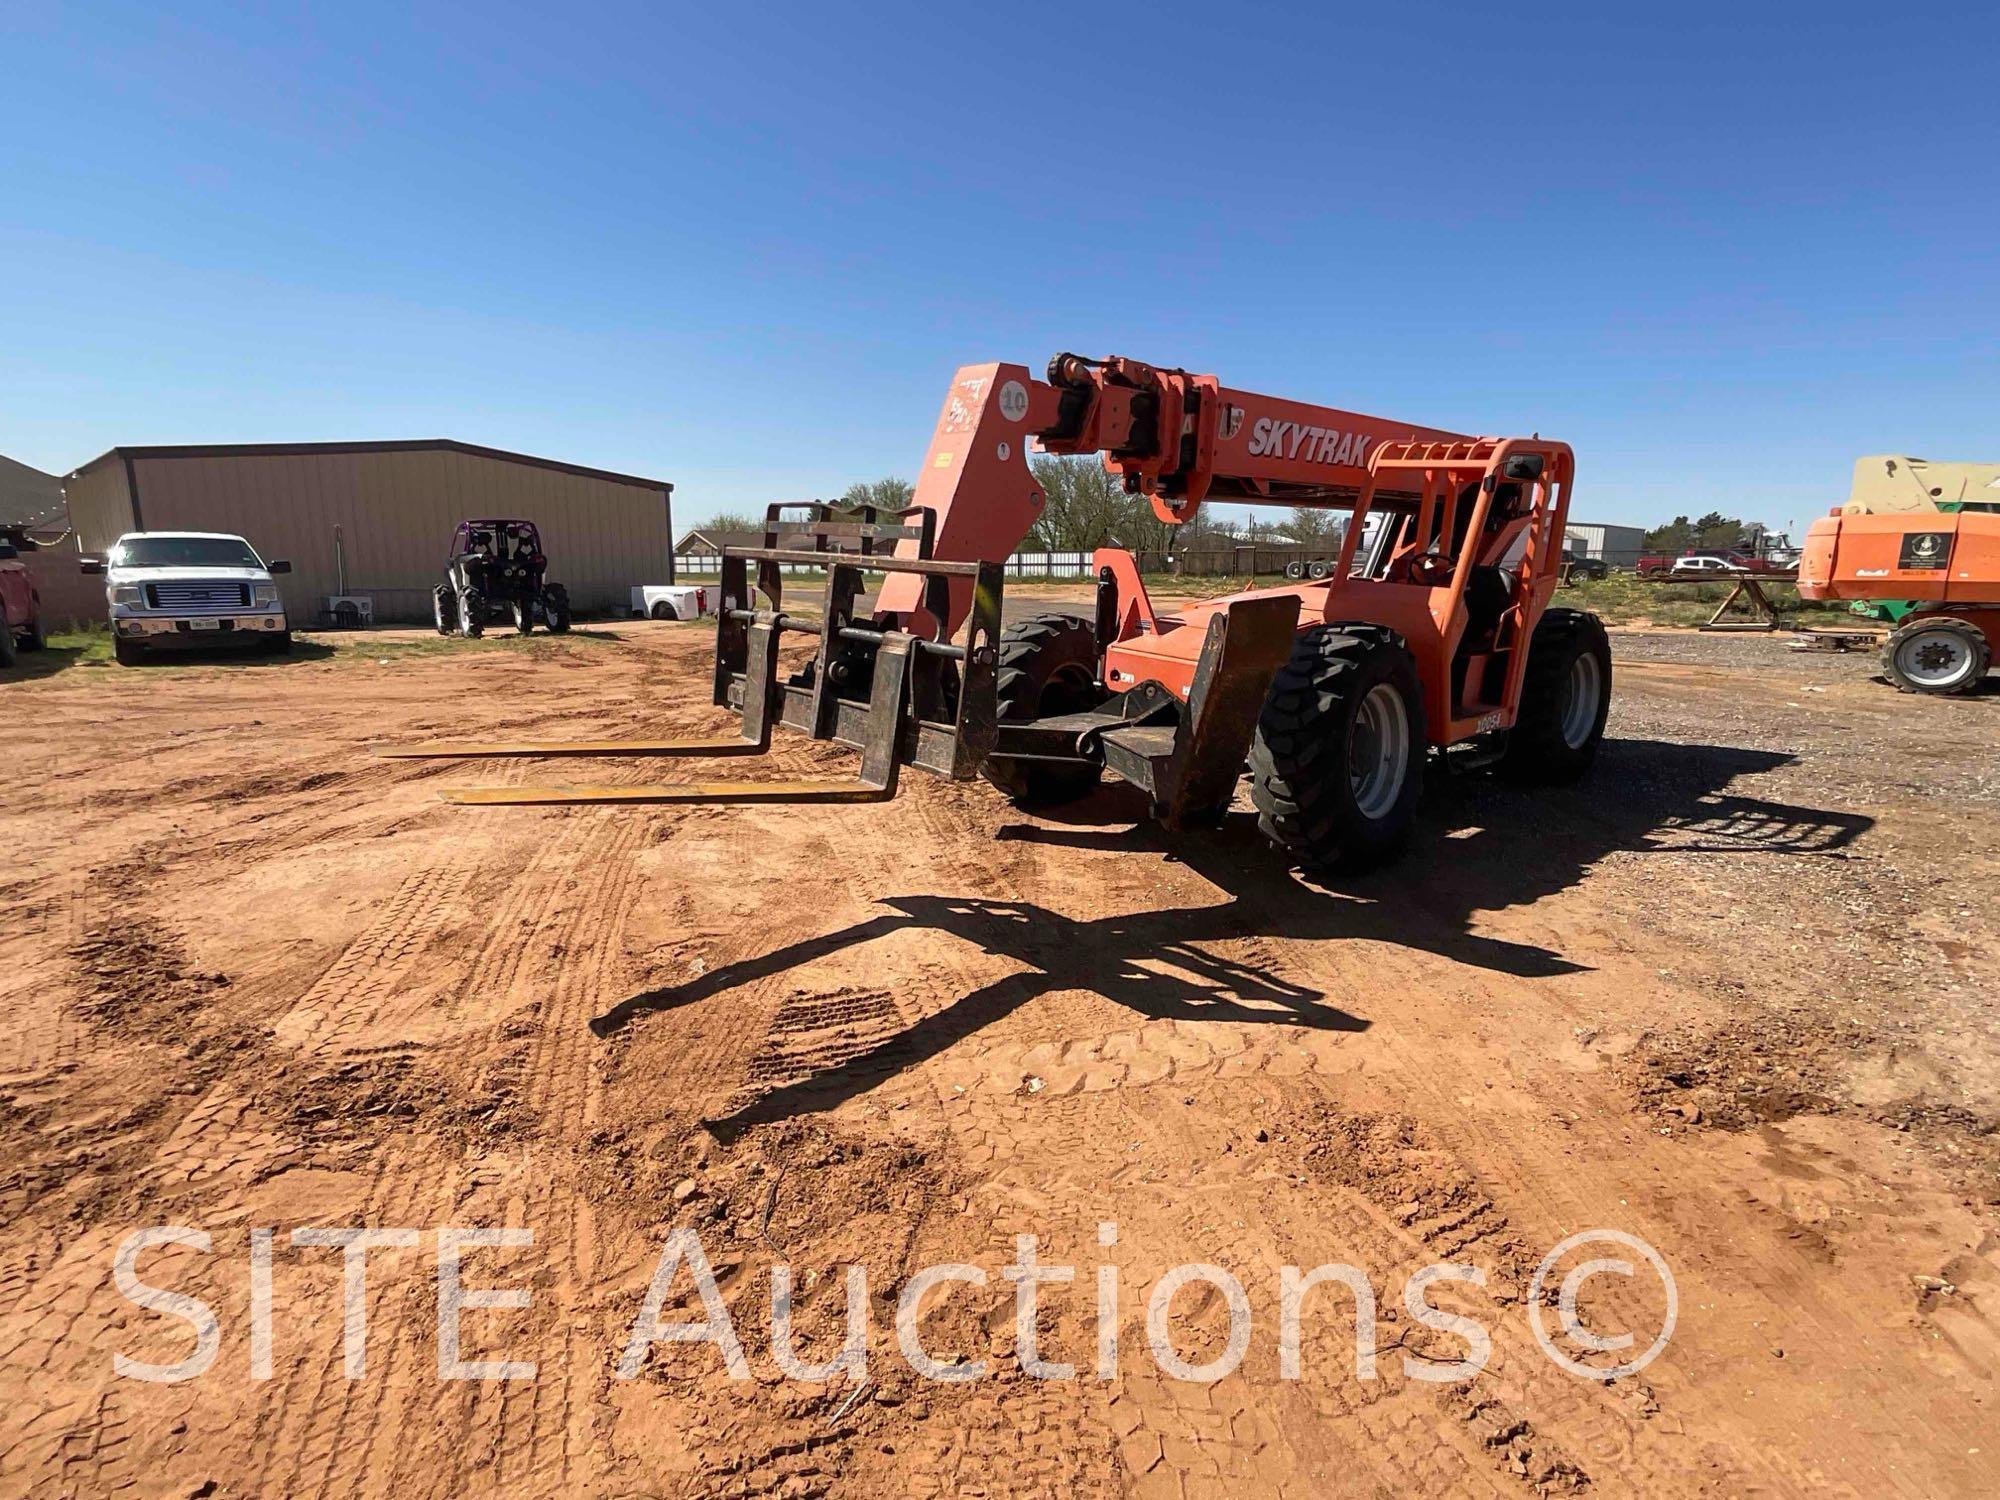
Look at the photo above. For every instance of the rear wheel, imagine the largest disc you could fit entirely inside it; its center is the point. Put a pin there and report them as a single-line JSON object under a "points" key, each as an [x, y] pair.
{"points": [[1319, 570], [472, 614], [1337, 763], [1295, 570], [35, 639], [1933, 655], [1565, 695], [664, 611], [1048, 665], [444, 605]]}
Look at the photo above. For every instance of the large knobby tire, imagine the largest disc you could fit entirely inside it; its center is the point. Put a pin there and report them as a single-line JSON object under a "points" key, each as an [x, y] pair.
{"points": [[472, 614], [1937, 654], [524, 616], [1337, 763], [444, 606], [1048, 665], [1565, 695], [555, 608]]}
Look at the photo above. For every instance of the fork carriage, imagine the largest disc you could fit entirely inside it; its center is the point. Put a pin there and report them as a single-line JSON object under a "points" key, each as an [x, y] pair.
{"points": [[899, 697]]}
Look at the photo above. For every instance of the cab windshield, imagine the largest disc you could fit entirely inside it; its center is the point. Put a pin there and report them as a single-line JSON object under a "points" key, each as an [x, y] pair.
{"points": [[184, 552]]}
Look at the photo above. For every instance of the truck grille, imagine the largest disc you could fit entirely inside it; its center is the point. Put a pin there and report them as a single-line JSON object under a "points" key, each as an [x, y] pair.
{"points": [[217, 595]]}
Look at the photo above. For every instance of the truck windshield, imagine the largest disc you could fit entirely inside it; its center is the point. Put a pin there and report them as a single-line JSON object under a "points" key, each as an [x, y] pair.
{"points": [[184, 552]]}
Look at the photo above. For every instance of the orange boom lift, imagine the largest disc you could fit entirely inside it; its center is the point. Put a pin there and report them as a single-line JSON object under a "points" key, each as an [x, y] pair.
{"points": [[1943, 562], [1433, 637]]}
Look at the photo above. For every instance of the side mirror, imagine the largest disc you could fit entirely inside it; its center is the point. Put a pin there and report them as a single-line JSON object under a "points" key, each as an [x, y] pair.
{"points": [[93, 565], [1524, 466], [279, 565]]}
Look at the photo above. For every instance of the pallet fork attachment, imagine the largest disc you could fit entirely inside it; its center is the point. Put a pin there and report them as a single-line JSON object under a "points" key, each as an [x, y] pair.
{"points": [[890, 693]]}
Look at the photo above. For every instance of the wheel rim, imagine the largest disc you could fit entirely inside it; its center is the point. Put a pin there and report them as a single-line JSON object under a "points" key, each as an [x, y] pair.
{"points": [[1934, 658], [1378, 751], [1582, 694]]}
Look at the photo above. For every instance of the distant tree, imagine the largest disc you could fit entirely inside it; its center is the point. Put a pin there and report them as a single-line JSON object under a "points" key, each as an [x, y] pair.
{"points": [[730, 520], [1713, 532], [1312, 526], [886, 494], [1083, 505]]}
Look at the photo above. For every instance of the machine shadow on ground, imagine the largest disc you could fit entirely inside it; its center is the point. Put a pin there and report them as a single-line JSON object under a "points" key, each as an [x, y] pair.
{"points": [[1481, 846]]}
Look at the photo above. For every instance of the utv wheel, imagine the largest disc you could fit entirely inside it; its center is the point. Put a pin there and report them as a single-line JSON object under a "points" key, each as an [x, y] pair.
{"points": [[1934, 655], [665, 611], [472, 614], [1337, 763], [127, 653], [1048, 665], [444, 605], [524, 616], [555, 608], [1565, 696]]}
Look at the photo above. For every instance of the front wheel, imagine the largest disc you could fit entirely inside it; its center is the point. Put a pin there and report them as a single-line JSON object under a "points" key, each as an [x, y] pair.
{"points": [[1047, 666], [472, 614], [524, 616], [128, 653], [444, 605], [9, 649], [664, 611], [1337, 762], [1565, 696], [277, 643], [1937, 655], [36, 638], [555, 608]]}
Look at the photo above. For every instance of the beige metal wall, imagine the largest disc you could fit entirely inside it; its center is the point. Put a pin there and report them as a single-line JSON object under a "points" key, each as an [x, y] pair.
{"points": [[100, 509], [396, 511]]}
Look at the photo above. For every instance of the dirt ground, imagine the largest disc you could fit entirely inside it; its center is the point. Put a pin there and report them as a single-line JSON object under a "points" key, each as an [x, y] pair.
{"points": [[1734, 996]]}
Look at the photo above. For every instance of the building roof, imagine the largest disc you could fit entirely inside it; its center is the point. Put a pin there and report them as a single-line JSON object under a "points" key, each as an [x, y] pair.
{"points": [[405, 445], [29, 499], [708, 536]]}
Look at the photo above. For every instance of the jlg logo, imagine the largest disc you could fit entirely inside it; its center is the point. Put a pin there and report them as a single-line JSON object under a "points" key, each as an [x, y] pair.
{"points": [[1319, 445]]}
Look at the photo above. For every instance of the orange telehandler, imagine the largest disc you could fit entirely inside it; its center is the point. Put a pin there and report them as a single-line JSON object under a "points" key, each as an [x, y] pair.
{"points": [[1433, 632]]}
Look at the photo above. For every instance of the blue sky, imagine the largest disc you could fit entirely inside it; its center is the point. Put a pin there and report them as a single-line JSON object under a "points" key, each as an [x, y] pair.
{"points": [[1722, 250]]}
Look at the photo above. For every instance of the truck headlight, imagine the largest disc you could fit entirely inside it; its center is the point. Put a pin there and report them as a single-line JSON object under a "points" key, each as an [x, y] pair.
{"points": [[266, 594], [128, 593]]}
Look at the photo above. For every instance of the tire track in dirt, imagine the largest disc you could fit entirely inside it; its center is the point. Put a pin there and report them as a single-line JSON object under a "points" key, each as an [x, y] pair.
{"points": [[350, 1434]]}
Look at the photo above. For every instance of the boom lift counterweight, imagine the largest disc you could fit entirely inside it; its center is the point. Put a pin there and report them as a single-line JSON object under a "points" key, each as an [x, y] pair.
{"points": [[1432, 634]]}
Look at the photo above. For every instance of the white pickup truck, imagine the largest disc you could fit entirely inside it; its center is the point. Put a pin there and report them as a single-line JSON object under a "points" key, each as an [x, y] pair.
{"points": [[184, 588]]}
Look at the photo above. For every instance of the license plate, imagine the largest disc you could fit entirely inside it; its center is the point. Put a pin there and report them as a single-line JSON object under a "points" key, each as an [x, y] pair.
{"points": [[205, 624]]}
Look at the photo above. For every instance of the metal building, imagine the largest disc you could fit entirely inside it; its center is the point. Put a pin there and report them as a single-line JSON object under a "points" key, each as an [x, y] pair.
{"points": [[1619, 546], [375, 519]]}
